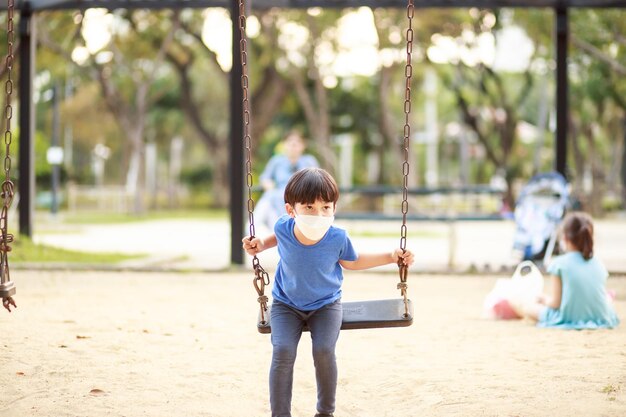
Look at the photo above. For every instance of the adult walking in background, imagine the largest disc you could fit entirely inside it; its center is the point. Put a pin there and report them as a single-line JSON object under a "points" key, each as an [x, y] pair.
{"points": [[277, 173]]}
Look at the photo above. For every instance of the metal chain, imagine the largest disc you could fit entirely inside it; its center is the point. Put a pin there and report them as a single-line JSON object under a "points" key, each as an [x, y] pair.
{"points": [[261, 278], [408, 73], [7, 288]]}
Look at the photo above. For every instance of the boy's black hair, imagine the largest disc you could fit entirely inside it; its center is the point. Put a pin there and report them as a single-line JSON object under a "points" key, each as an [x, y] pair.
{"points": [[310, 184]]}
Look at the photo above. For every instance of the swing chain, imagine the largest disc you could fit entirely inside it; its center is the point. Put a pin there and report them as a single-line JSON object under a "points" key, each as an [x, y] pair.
{"points": [[7, 288], [408, 73], [261, 277]]}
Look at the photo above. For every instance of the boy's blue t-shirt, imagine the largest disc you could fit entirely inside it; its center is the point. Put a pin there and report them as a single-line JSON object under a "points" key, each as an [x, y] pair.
{"points": [[309, 277], [584, 303]]}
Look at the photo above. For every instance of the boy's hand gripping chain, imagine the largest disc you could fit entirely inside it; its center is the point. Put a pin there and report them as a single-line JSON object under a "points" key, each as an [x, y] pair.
{"points": [[261, 278], [7, 288], [408, 72]]}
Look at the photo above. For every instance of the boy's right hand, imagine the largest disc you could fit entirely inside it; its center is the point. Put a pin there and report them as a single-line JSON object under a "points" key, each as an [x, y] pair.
{"points": [[254, 246]]}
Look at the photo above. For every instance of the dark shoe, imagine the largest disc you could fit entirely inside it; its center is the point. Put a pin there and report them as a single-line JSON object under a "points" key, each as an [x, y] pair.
{"points": [[323, 415]]}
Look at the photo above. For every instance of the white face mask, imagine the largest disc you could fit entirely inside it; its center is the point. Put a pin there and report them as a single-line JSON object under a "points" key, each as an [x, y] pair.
{"points": [[314, 227]]}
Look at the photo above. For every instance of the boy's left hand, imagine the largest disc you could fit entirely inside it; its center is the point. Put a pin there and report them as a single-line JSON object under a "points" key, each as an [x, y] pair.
{"points": [[407, 256]]}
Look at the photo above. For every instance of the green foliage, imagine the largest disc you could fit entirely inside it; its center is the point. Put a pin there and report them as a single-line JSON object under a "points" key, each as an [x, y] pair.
{"points": [[197, 177], [598, 62], [43, 170], [597, 89]]}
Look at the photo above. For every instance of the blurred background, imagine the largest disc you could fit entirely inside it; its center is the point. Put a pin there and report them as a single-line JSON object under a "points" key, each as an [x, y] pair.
{"points": [[132, 111]]}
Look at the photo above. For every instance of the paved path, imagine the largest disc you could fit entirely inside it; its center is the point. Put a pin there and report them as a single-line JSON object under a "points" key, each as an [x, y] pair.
{"points": [[205, 244]]}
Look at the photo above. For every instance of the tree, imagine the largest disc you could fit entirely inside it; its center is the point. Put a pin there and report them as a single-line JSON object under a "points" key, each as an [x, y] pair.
{"points": [[126, 84], [489, 99], [598, 90], [126, 66], [202, 95]]}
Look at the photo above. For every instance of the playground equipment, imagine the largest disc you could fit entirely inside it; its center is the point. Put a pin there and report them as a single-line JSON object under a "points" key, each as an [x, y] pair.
{"points": [[356, 315], [7, 288]]}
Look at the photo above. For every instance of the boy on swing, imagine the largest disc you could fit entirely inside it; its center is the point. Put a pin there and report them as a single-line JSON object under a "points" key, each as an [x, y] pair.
{"points": [[307, 285]]}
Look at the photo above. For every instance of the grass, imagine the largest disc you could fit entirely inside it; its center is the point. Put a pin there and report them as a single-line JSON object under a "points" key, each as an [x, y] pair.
{"points": [[106, 218], [610, 391], [26, 251]]}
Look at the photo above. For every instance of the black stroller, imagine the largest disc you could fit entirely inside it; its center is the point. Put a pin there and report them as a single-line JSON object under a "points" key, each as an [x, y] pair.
{"points": [[539, 209]]}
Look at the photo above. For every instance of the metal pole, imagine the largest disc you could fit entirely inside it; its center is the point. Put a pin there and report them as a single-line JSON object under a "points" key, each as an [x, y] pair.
{"points": [[562, 102], [55, 177], [236, 154], [26, 184]]}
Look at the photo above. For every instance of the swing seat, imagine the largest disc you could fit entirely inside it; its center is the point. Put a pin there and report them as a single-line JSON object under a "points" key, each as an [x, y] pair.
{"points": [[371, 314]]}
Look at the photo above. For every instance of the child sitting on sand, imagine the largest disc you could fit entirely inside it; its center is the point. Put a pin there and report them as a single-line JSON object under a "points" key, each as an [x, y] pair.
{"points": [[577, 298]]}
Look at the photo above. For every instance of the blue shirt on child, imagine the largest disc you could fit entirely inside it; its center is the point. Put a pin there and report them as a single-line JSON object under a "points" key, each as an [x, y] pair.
{"points": [[309, 277], [584, 301]]}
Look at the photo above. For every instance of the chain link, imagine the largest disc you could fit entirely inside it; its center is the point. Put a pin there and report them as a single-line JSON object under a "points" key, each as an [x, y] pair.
{"points": [[261, 278], [7, 289], [408, 73], [247, 140]]}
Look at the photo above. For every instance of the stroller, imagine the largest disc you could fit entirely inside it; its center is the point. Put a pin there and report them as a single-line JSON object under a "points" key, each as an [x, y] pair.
{"points": [[538, 211]]}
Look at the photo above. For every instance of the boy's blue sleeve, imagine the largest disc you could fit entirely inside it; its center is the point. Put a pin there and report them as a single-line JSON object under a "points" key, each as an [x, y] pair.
{"points": [[348, 253]]}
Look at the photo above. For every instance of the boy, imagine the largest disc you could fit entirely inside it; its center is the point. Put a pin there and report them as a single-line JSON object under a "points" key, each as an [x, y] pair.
{"points": [[307, 285]]}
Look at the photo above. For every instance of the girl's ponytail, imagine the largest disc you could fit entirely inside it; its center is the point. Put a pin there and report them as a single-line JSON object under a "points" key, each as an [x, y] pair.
{"points": [[578, 229], [586, 240]]}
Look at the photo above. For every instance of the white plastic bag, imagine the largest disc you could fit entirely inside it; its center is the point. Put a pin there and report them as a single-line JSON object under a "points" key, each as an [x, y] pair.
{"points": [[509, 294]]}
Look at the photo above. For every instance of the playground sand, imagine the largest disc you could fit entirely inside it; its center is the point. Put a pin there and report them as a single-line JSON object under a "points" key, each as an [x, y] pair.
{"points": [[164, 344]]}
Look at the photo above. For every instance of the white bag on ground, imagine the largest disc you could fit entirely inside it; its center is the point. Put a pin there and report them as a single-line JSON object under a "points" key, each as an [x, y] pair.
{"points": [[509, 294]]}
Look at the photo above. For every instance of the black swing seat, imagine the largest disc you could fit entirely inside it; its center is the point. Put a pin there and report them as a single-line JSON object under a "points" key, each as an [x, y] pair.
{"points": [[371, 314]]}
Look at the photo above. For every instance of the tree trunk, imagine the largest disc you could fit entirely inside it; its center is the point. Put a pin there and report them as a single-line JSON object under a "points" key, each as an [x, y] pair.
{"points": [[597, 176], [392, 137], [267, 100], [136, 170], [221, 187], [315, 107]]}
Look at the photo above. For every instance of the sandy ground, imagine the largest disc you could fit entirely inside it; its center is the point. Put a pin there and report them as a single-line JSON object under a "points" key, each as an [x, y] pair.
{"points": [[164, 344]]}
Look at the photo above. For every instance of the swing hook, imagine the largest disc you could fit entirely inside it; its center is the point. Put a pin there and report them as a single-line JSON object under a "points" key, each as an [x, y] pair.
{"points": [[403, 270], [261, 279]]}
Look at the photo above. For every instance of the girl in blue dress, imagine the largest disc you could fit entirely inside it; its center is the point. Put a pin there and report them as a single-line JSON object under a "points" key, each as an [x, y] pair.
{"points": [[578, 297]]}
